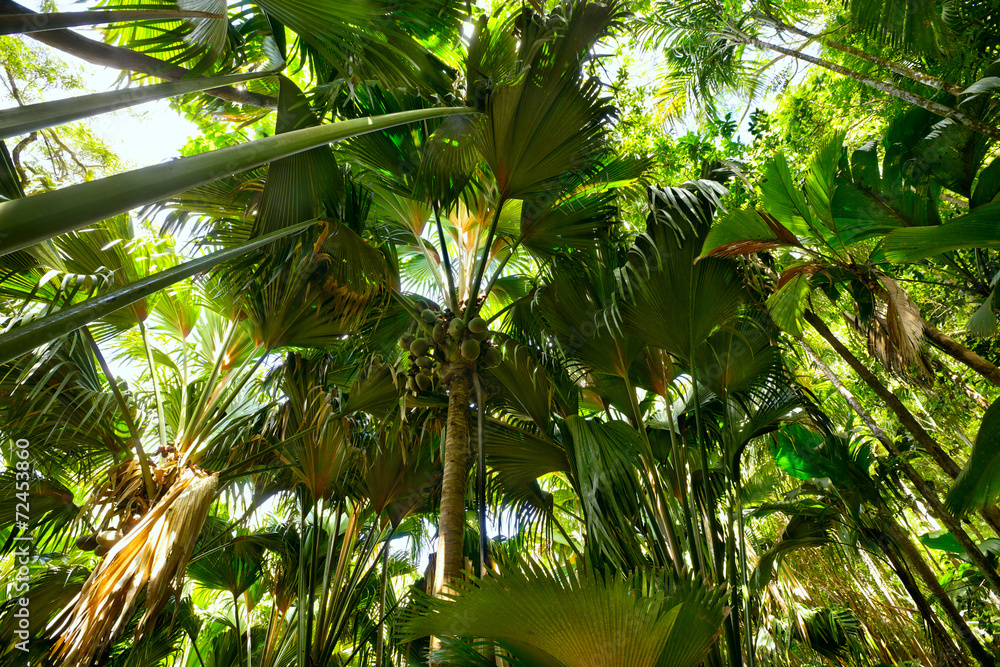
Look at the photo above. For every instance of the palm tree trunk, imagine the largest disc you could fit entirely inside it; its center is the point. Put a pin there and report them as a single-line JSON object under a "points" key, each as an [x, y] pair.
{"points": [[888, 88], [991, 514], [962, 354], [917, 563], [451, 524], [938, 510], [106, 55], [943, 642]]}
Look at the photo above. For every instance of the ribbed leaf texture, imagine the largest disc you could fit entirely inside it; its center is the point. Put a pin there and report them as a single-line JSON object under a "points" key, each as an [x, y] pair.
{"points": [[551, 618]]}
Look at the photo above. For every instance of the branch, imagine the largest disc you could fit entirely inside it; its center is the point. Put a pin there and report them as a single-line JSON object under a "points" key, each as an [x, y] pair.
{"points": [[106, 55]]}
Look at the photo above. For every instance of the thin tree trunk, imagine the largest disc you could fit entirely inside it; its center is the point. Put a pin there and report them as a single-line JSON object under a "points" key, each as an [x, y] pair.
{"points": [[942, 640], [105, 55], [888, 88], [911, 554], [938, 509], [11, 24], [451, 524], [990, 514], [892, 66], [960, 353]]}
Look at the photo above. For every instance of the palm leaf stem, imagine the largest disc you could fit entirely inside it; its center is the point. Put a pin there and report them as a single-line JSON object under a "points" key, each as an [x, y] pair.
{"points": [[160, 418], [27, 337], [31, 220], [452, 295], [106, 55], [503, 263], [470, 308], [136, 437]]}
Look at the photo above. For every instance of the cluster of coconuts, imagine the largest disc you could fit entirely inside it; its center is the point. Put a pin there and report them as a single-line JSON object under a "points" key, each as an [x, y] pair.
{"points": [[102, 542], [447, 338]]}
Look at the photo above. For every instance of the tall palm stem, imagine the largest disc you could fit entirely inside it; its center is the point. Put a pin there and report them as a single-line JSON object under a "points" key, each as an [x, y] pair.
{"points": [[901, 538], [160, 419], [451, 523], [471, 308], [938, 509], [452, 296], [147, 477]]}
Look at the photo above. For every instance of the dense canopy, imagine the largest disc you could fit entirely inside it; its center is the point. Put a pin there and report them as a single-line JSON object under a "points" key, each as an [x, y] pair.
{"points": [[540, 334]]}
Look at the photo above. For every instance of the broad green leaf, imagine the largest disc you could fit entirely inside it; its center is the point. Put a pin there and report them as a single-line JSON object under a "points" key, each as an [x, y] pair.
{"points": [[821, 178], [38, 332], [25, 222], [783, 199], [745, 231], [787, 306], [554, 617], [942, 540], [978, 485], [979, 228], [26, 119], [987, 185]]}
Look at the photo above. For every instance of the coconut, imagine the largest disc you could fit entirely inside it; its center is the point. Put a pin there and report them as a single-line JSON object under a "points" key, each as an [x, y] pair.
{"points": [[420, 304], [478, 325], [425, 362], [109, 538], [470, 348], [438, 334], [405, 340], [101, 551], [428, 315], [456, 327], [87, 542], [419, 347], [423, 382], [491, 358]]}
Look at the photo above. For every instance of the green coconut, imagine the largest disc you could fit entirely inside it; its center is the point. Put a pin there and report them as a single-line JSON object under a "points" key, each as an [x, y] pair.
{"points": [[405, 340], [425, 362], [423, 382], [491, 358], [428, 315], [456, 327], [419, 347], [470, 348], [478, 325]]}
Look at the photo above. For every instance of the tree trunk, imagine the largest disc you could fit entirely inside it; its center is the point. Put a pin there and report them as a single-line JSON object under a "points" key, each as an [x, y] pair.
{"points": [[888, 88], [105, 55], [990, 514], [960, 353], [942, 640], [939, 511], [12, 24], [918, 565], [892, 66], [451, 524]]}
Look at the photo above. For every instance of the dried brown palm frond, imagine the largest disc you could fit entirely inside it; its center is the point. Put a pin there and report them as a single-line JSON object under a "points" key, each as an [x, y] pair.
{"points": [[150, 558]]}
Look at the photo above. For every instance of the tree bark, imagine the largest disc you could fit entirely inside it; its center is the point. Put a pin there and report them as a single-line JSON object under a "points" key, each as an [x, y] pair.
{"points": [[105, 55], [12, 24], [939, 511], [963, 355], [888, 88], [892, 66], [451, 523], [942, 640], [918, 565]]}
